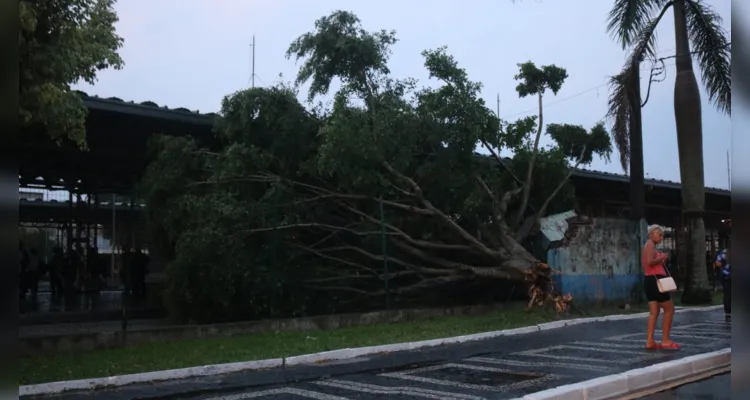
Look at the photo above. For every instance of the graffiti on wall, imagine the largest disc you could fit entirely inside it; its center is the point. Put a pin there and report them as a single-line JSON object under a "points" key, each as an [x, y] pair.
{"points": [[599, 260]]}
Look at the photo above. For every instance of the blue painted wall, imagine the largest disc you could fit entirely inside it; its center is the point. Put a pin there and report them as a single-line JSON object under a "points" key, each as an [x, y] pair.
{"points": [[600, 262]]}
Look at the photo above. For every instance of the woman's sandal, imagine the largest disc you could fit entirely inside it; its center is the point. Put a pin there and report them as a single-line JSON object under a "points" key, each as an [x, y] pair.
{"points": [[670, 346], [653, 346]]}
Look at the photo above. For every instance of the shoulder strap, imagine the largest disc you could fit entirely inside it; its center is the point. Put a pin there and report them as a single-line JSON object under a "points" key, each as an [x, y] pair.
{"points": [[664, 264]]}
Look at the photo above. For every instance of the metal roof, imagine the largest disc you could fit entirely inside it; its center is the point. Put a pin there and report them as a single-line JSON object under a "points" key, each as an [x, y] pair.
{"points": [[147, 109], [554, 226], [153, 110], [586, 173]]}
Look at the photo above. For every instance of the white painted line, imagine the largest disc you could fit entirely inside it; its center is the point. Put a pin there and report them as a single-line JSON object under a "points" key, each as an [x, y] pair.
{"points": [[396, 390], [618, 345], [637, 380], [702, 332], [219, 369], [538, 364], [707, 345], [640, 356], [275, 392], [533, 378], [658, 333], [700, 325]]}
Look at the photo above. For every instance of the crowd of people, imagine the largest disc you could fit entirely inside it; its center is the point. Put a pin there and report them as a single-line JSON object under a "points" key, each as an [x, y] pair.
{"points": [[70, 273]]}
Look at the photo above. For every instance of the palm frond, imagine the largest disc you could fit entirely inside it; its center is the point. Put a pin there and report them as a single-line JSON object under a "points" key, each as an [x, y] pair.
{"points": [[711, 48], [628, 18], [643, 41], [618, 113]]}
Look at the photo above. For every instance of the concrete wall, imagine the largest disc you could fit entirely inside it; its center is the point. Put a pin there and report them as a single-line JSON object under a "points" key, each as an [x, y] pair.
{"points": [[599, 260]]}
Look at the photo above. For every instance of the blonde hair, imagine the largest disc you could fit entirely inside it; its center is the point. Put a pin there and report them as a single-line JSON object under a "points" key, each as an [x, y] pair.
{"points": [[653, 228]]}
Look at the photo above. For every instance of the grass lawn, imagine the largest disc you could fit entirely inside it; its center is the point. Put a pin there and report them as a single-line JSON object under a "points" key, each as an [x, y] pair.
{"points": [[196, 352]]}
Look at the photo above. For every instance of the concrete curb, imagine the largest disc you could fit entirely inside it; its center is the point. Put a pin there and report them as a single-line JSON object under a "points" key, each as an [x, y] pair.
{"points": [[637, 380], [342, 354]]}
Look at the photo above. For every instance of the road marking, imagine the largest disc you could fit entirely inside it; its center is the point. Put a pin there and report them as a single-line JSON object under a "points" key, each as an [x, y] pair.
{"points": [[396, 390], [705, 332], [676, 335], [273, 392], [611, 345], [641, 345], [534, 378], [540, 353], [518, 363]]}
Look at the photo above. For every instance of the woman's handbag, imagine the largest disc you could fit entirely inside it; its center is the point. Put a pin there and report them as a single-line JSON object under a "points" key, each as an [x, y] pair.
{"points": [[667, 284]]}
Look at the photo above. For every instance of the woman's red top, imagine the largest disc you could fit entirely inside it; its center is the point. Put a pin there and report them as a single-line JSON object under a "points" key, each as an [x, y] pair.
{"points": [[657, 269]]}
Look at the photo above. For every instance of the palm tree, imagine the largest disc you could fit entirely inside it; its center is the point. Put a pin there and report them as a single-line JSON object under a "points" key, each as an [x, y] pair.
{"points": [[633, 23]]}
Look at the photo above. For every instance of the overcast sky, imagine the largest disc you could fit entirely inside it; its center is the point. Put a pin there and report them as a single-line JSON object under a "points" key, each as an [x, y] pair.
{"points": [[191, 53]]}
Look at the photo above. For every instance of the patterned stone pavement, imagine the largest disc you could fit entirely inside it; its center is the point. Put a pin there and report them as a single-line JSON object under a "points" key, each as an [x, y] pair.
{"points": [[500, 368]]}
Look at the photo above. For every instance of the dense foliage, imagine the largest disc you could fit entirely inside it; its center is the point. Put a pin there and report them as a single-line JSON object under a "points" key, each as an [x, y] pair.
{"points": [[301, 211], [60, 43]]}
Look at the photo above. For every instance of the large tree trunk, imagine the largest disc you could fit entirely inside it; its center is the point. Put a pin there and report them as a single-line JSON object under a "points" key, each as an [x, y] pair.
{"points": [[687, 109]]}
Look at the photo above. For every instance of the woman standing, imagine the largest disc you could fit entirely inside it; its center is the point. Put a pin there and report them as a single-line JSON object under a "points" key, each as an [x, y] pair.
{"points": [[653, 262]]}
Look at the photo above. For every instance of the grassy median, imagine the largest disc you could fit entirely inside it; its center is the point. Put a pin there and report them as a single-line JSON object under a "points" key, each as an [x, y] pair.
{"points": [[195, 352]]}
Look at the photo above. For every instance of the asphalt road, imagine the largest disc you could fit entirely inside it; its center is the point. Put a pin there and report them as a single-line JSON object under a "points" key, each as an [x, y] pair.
{"points": [[500, 368], [718, 387]]}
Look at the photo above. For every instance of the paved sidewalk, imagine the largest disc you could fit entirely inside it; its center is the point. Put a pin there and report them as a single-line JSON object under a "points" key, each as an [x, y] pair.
{"points": [[500, 368]]}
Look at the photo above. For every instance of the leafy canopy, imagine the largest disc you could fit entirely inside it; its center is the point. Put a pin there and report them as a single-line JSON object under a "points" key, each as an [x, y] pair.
{"points": [[283, 217], [535, 81], [60, 43]]}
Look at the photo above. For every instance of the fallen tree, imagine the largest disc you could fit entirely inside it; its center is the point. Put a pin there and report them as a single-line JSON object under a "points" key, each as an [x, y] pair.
{"points": [[380, 194]]}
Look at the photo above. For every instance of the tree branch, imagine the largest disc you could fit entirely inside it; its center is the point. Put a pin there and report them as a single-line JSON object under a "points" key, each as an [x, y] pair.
{"points": [[428, 205], [492, 272], [529, 224], [501, 162], [404, 235], [312, 225], [416, 268], [530, 173]]}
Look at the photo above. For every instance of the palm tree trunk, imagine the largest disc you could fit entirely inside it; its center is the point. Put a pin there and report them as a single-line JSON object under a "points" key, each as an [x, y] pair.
{"points": [[687, 111], [637, 185]]}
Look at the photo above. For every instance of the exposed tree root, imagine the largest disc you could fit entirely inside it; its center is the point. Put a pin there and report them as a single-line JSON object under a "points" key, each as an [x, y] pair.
{"points": [[542, 290]]}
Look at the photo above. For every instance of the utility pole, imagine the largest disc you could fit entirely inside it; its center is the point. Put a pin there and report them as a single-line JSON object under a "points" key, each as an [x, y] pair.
{"points": [[252, 61], [729, 174], [498, 105]]}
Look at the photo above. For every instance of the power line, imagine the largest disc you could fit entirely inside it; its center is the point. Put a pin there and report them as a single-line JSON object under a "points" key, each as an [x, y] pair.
{"points": [[643, 68], [694, 52]]}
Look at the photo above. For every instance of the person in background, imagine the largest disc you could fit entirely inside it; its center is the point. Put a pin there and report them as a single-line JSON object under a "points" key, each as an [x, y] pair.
{"points": [[56, 266], [653, 262], [719, 261], [23, 267], [725, 272], [70, 269], [34, 272], [139, 271]]}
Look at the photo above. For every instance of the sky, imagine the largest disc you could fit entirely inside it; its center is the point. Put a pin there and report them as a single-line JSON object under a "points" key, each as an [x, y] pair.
{"points": [[192, 53]]}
